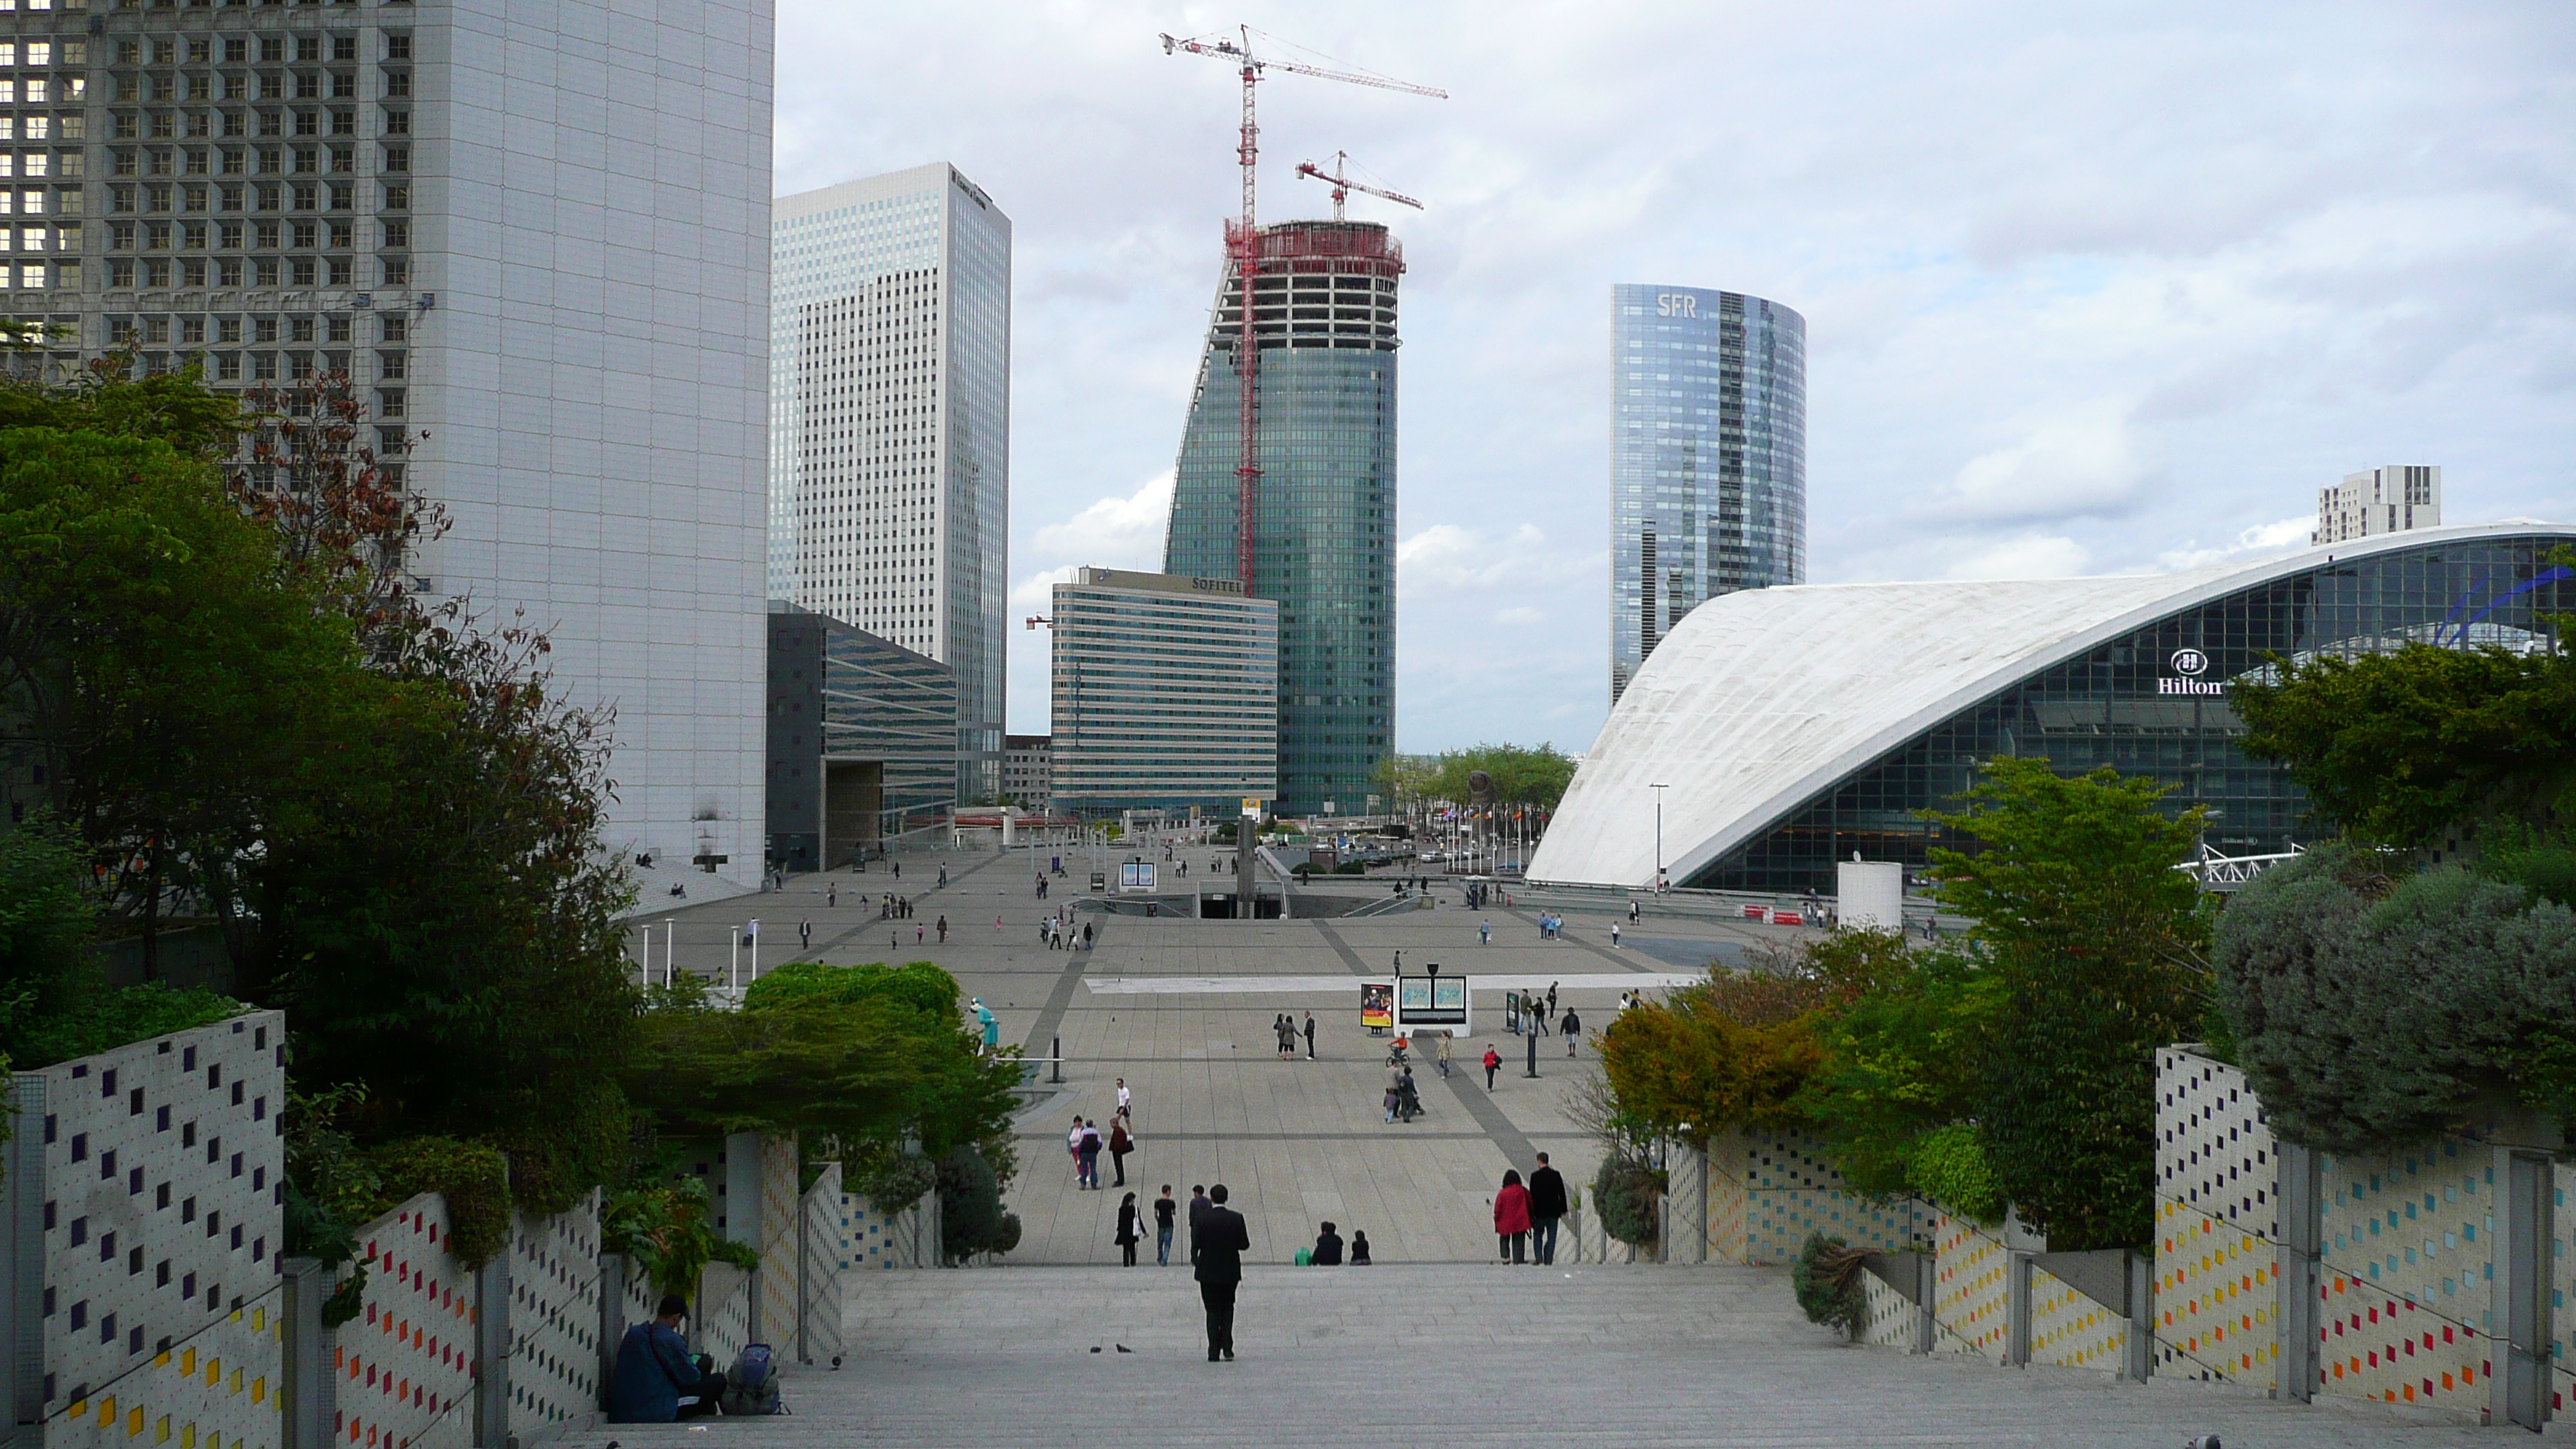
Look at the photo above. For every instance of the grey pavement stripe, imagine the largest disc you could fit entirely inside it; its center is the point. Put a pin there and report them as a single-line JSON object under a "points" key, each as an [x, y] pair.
{"points": [[1052, 1016], [1626, 961], [1480, 1105], [1343, 949]]}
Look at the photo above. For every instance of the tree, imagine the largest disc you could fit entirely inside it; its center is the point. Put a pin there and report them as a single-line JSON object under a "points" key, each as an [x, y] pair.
{"points": [[2402, 749], [1520, 775], [2096, 940]]}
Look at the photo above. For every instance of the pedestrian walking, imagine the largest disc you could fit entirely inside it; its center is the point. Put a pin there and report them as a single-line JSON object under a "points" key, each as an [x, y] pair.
{"points": [[1614, 935], [1123, 1098], [917, 931], [943, 930], [1633, 913], [1512, 1217], [1547, 1204], [1551, 998], [1484, 933], [1446, 1038], [1129, 1234], [832, 895], [1089, 1151], [1164, 1211], [1120, 1144], [1393, 1096], [1073, 1149], [1199, 1205], [1493, 1064], [943, 872], [1408, 1101], [1310, 1036], [992, 1026], [1571, 1026], [1221, 1241], [804, 935]]}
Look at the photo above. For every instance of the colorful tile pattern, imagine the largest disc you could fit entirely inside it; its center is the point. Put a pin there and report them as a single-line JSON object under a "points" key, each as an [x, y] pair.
{"points": [[405, 1365], [555, 1353], [2072, 1330], [2406, 1276], [1968, 1303], [2216, 1260]]}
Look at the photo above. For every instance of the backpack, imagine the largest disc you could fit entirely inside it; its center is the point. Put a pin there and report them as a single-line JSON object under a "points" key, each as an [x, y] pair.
{"points": [[751, 1387]]}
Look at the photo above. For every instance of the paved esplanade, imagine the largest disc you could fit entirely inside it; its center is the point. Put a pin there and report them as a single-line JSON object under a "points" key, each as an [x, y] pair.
{"points": [[1481, 1355], [1182, 1010]]}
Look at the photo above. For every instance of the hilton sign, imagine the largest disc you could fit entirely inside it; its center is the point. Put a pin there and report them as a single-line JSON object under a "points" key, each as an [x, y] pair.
{"points": [[2190, 664]]}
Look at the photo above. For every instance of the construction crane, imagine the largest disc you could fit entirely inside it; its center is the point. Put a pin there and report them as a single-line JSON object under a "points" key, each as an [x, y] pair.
{"points": [[1244, 244], [1344, 185]]}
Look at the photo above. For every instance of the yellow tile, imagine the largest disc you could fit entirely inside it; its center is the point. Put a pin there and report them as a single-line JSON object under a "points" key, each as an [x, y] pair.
{"points": [[162, 1360], [107, 1411], [78, 1408], [237, 1373], [188, 1437], [161, 1431], [133, 1423], [259, 1390], [188, 1362]]}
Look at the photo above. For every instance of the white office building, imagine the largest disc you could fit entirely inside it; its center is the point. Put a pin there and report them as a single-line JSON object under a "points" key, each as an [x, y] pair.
{"points": [[535, 238], [890, 439], [2375, 501]]}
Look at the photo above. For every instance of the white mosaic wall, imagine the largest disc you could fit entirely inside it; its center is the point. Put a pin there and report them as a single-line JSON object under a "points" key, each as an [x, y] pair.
{"points": [[1969, 1275], [1768, 1190], [779, 1243], [162, 1220], [908, 1239], [823, 1271], [2405, 1276], [554, 1318], [1891, 1315], [2215, 1256], [724, 1308], [2562, 1378], [406, 1363], [2072, 1330]]}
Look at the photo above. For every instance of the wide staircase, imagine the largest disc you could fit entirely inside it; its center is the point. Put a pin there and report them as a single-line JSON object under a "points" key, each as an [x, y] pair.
{"points": [[1455, 1355]]}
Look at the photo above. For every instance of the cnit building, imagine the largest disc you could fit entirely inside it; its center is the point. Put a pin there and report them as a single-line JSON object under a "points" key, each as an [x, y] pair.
{"points": [[1799, 725]]}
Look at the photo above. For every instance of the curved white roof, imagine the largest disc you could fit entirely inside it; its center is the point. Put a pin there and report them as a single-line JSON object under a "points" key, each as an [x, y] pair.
{"points": [[1759, 700]]}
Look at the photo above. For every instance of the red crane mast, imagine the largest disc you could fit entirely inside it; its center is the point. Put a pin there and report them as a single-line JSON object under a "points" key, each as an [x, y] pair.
{"points": [[1243, 244]]}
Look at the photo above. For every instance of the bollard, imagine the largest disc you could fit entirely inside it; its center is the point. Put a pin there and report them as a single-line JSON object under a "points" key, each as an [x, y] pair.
{"points": [[1055, 1061], [1531, 1034]]}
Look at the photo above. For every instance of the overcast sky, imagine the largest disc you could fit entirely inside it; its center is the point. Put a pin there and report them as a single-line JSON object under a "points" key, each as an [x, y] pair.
{"points": [[2096, 288]]}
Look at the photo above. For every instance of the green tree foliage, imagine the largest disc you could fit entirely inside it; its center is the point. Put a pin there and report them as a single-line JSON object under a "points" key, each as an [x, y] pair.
{"points": [[971, 1220], [842, 1055], [2401, 749], [2371, 1012], [113, 398], [669, 1230], [1522, 775], [1624, 1192], [1903, 1063], [2097, 942]]}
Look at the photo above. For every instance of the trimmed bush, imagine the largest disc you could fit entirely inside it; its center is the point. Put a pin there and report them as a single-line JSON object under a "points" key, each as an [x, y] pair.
{"points": [[1625, 1190], [1949, 1166], [473, 1177], [1826, 1279], [2371, 1014], [970, 1206]]}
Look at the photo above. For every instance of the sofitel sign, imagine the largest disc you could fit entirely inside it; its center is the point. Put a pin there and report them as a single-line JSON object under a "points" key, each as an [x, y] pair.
{"points": [[2190, 664]]}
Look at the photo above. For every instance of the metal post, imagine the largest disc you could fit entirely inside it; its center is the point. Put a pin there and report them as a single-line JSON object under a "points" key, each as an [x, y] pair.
{"points": [[670, 947], [492, 1352], [1927, 1294], [1055, 1061], [2519, 1385], [306, 1382], [1529, 1034], [2142, 1318], [2016, 1309], [2299, 1200], [733, 975]]}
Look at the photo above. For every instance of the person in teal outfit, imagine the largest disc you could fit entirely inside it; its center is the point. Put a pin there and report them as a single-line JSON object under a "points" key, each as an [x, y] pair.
{"points": [[992, 1026]]}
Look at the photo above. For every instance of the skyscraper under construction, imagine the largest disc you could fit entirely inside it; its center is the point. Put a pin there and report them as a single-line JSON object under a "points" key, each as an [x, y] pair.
{"points": [[1324, 498]]}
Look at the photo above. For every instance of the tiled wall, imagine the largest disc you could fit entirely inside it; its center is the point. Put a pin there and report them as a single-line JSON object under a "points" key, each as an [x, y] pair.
{"points": [[908, 1239], [2072, 1330], [1891, 1315], [1768, 1190], [554, 1318], [824, 1269], [2405, 1275], [2216, 1173], [162, 1219], [405, 1365], [1969, 1274]]}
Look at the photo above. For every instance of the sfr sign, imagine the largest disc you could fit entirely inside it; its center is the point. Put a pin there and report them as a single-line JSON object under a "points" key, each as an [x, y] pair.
{"points": [[1676, 304]]}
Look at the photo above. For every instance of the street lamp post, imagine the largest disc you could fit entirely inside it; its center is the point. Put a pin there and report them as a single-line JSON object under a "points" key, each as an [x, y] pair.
{"points": [[1659, 835]]}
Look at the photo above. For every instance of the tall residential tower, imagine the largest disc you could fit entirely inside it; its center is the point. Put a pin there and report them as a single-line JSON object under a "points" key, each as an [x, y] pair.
{"points": [[890, 432], [1708, 457], [1324, 511], [537, 244]]}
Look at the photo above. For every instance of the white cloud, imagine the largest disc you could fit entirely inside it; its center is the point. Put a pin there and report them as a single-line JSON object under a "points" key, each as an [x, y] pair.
{"points": [[2088, 462], [2262, 538], [1517, 615], [2030, 556], [1449, 559], [1115, 532]]}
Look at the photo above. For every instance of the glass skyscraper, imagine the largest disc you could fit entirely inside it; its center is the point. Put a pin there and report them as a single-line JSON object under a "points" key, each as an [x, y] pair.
{"points": [[1324, 521], [1708, 457], [890, 427], [1166, 694]]}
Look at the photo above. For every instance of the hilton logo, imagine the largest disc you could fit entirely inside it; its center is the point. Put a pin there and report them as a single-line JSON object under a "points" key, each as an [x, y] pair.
{"points": [[2191, 664]]}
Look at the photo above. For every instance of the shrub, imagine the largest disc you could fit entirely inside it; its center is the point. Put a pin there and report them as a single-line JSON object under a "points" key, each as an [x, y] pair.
{"points": [[970, 1206], [1826, 1279], [473, 1177], [2370, 1014], [891, 1180], [1949, 1166], [669, 1231], [1624, 1191]]}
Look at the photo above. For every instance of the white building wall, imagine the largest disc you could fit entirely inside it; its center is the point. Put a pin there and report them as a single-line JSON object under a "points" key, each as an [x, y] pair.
{"points": [[592, 205]]}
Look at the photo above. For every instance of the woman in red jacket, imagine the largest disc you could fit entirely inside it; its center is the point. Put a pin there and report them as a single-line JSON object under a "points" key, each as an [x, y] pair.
{"points": [[1511, 1217]]}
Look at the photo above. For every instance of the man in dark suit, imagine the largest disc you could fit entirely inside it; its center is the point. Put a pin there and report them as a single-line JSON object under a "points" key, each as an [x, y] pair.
{"points": [[1547, 1207], [1199, 1205], [1222, 1241]]}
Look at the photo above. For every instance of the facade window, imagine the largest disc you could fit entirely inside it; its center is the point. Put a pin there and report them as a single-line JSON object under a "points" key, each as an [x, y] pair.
{"points": [[339, 269], [344, 122], [229, 235], [308, 49], [264, 272], [266, 232], [264, 330], [307, 160], [397, 196], [272, 50], [344, 159], [120, 272], [125, 126], [303, 233], [397, 158], [397, 234], [192, 329], [228, 367], [393, 327], [192, 271], [236, 87], [228, 329], [343, 196], [344, 87], [235, 125], [338, 329], [344, 49], [263, 366], [228, 272], [120, 236], [397, 47], [397, 123], [341, 238], [269, 161], [272, 88], [305, 193], [306, 274], [308, 123], [192, 235], [390, 403], [272, 123], [389, 366], [308, 87], [395, 270], [164, 125], [156, 272], [397, 83]]}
